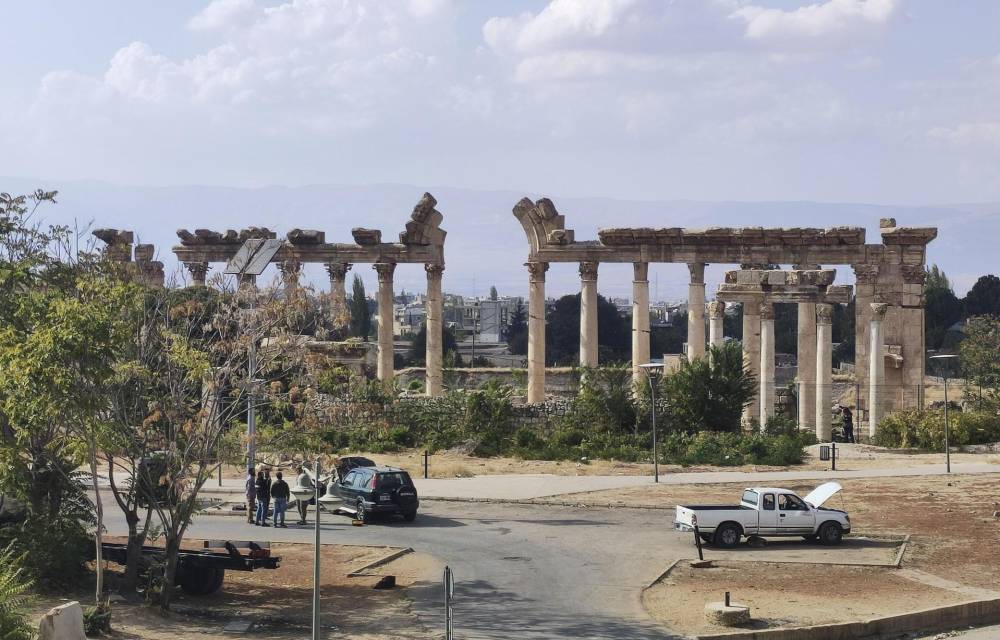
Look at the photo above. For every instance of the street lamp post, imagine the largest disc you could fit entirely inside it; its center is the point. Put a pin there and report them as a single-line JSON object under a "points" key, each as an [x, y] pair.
{"points": [[945, 360], [653, 371]]}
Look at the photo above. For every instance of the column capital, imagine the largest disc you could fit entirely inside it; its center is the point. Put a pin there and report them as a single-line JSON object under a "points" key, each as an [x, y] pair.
{"points": [[865, 273], [878, 310], [767, 310], [384, 271], [717, 310], [290, 268], [588, 271], [536, 271], [433, 270], [198, 271], [338, 270], [914, 273], [640, 272], [697, 271], [824, 313]]}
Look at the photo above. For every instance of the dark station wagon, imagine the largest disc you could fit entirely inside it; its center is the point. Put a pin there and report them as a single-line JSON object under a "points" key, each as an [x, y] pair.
{"points": [[375, 490]]}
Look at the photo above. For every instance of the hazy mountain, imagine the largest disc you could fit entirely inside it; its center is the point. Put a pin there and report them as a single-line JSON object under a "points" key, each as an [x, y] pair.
{"points": [[485, 244]]}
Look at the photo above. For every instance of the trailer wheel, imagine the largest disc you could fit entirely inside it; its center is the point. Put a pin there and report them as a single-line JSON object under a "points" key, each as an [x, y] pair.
{"points": [[201, 581], [728, 535], [219, 576]]}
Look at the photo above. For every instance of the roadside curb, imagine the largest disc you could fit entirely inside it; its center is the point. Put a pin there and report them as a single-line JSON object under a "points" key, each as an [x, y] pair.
{"points": [[901, 552], [549, 503], [938, 619], [397, 552]]}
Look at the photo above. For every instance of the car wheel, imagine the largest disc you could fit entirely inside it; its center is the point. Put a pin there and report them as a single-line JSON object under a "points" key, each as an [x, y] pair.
{"points": [[728, 535], [362, 513], [831, 533], [410, 516]]}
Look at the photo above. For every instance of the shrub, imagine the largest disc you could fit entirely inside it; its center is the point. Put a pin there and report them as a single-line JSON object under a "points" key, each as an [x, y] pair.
{"points": [[925, 429], [14, 583], [981, 427]]}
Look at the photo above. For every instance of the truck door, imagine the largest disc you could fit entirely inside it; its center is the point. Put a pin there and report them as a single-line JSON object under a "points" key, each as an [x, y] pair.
{"points": [[794, 516], [767, 515]]}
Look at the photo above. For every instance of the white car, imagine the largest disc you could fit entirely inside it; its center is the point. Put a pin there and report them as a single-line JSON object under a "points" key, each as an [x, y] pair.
{"points": [[765, 511]]}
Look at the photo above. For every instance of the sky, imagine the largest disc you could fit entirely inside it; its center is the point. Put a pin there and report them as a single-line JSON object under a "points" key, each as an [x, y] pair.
{"points": [[876, 101]]}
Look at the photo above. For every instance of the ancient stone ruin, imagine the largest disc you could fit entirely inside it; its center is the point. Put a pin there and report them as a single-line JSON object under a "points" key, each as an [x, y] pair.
{"points": [[888, 298]]}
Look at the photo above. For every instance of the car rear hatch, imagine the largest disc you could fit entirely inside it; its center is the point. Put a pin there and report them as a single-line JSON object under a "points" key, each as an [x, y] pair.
{"points": [[395, 488]]}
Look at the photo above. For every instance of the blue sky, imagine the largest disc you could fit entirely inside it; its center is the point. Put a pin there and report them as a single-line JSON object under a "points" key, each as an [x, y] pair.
{"points": [[882, 101]]}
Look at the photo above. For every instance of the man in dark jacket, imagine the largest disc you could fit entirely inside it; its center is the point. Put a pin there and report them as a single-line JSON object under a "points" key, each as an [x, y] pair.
{"points": [[263, 498], [280, 492], [848, 425]]}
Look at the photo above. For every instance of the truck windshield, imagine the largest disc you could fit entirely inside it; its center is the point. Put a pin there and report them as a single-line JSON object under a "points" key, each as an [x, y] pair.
{"points": [[749, 498]]}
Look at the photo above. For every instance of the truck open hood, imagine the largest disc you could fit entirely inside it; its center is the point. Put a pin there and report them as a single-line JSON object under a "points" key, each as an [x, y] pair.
{"points": [[822, 493]]}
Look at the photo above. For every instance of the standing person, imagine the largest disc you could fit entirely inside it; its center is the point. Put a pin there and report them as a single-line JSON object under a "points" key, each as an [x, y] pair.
{"points": [[848, 425], [267, 483], [263, 498], [303, 481], [280, 493], [251, 487]]}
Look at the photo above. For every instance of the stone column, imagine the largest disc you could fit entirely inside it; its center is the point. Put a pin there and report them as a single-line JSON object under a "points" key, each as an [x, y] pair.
{"points": [[340, 314], [716, 318], [767, 391], [588, 314], [866, 276], [696, 311], [435, 329], [385, 338], [751, 356], [640, 320], [876, 368], [536, 330], [824, 371], [246, 283], [290, 270], [806, 365], [198, 271]]}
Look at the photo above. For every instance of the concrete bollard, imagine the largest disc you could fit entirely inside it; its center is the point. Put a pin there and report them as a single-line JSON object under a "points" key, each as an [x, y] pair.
{"points": [[64, 622], [732, 615]]}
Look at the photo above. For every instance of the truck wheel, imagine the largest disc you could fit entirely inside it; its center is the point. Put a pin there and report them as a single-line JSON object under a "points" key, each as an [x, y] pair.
{"points": [[728, 535], [410, 516], [831, 533]]}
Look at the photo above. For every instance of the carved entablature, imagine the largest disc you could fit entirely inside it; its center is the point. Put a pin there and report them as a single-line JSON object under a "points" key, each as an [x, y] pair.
{"points": [[913, 273], [865, 273], [424, 227], [729, 236], [543, 225], [305, 236], [908, 235]]}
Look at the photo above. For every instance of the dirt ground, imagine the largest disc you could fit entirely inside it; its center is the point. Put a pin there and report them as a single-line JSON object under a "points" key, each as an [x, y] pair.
{"points": [[455, 465], [280, 600], [787, 595]]}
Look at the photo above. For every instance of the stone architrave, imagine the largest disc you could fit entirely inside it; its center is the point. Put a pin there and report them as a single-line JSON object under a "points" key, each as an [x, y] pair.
{"points": [[435, 330], [716, 320], [751, 357], [198, 271], [290, 270], [767, 379], [876, 370], [385, 331], [696, 312], [588, 314], [640, 320], [340, 314], [64, 622], [824, 372], [536, 330]]}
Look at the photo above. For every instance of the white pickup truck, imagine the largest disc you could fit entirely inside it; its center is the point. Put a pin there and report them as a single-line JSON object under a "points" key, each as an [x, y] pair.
{"points": [[768, 512]]}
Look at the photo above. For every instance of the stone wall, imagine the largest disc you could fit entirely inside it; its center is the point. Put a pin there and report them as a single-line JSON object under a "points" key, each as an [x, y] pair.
{"points": [[560, 382]]}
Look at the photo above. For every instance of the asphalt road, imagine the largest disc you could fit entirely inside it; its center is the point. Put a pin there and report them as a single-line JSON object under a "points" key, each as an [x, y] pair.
{"points": [[521, 571]]}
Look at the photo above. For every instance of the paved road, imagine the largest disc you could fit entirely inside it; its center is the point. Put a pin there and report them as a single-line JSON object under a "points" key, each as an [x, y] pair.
{"points": [[521, 571], [529, 486]]}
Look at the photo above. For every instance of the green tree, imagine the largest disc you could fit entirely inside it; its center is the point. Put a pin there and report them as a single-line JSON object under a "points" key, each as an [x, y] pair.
{"points": [[984, 297], [493, 293], [361, 314], [562, 336], [517, 330], [942, 308], [979, 353], [14, 621], [709, 394], [418, 347]]}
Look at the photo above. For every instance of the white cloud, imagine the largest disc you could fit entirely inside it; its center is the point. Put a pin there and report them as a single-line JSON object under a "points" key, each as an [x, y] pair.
{"points": [[833, 19], [220, 14], [983, 133]]}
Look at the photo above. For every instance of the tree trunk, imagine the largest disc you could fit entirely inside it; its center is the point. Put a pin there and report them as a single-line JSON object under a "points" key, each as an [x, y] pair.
{"points": [[133, 552], [99, 530], [173, 545]]}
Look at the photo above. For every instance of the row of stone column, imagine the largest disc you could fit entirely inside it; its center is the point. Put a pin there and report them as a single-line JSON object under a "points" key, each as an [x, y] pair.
{"points": [[340, 314]]}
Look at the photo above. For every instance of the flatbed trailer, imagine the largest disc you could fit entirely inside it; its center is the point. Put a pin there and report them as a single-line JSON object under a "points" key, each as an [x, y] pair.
{"points": [[202, 571]]}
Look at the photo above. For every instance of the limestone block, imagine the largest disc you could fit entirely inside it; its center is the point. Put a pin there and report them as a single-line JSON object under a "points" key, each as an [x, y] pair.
{"points": [[773, 278], [64, 622], [734, 615], [114, 236], [366, 236], [144, 252], [748, 277], [306, 236], [260, 233]]}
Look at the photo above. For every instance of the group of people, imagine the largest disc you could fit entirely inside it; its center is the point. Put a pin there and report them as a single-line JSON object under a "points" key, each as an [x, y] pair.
{"points": [[260, 491]]}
